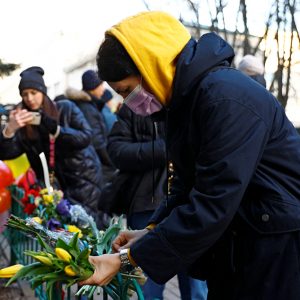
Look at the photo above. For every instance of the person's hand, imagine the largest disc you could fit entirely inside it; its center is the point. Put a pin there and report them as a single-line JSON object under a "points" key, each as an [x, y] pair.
{"points": [[17, 119], [127, 238], [48, 124], [107, 266]]}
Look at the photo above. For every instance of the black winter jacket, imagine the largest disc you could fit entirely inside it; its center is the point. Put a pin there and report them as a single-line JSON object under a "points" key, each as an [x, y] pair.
{"points": [[76, 162], [87, 104], [130, 148], [237, 194]]}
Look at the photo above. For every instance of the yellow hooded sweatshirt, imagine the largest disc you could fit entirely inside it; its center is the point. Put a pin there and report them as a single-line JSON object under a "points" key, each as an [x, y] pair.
{"points": [[154, 41]]}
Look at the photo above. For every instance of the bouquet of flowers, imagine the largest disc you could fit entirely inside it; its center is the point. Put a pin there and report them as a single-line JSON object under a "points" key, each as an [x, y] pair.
{"points": [[32, 229], [66, 259], [66, 264], [56, 212]]}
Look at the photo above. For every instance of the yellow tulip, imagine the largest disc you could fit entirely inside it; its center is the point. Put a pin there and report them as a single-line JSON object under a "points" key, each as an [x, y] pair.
{"points": [[44, 260], [62, 254], [69, 271], [73, 228], [48, 199], [37, 219], [10, 271], [44, 191]]}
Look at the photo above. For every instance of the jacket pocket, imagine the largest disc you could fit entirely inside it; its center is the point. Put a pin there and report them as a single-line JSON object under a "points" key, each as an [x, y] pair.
{"points": [[270, 215]]}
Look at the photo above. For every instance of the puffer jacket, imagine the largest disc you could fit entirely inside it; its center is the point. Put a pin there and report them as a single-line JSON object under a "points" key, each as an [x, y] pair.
{"points": [[76, 162], [130, 148], [87, 104], [91, 107]]}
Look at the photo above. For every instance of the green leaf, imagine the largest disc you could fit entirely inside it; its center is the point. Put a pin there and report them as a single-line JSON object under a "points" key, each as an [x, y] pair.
{"points": [[64, 277], [78, 270], [109, 233], [94, 230], [36, 284], [24, 271], [41, 270], [60, 263], [44, 245], [27, 252], [54, 275], [83, 254], [87, 274], [74, 253], [120, 222], [62, 244], [111, 222], [39, 277], [71, 282], [74, 243], [49, 290]]}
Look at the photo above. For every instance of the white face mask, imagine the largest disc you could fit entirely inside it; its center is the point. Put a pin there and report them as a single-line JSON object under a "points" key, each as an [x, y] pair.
{"points": [[141, 102]]}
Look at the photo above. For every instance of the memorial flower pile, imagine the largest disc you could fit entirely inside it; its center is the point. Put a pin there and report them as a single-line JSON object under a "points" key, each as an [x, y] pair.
{"points": [[55, 212]]}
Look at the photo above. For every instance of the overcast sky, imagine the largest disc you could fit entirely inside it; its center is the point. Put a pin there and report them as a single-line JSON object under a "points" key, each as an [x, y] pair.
{"points": [[28, 25]]}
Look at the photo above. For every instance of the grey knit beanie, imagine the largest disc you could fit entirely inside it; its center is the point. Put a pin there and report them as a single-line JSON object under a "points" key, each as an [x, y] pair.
{"points": [[251, 65]]}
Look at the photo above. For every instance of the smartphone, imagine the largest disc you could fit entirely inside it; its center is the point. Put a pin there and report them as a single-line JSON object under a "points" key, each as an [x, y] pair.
{"points": [[36, 119]]}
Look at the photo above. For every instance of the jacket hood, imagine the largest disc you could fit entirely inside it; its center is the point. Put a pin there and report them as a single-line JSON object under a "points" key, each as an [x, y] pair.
{"points": [[75, 95], [154, 41], [197, 58]]}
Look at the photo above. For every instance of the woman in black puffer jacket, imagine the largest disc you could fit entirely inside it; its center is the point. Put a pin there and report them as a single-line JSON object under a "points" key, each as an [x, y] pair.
{"points": [[130, 149], [76, 166]]}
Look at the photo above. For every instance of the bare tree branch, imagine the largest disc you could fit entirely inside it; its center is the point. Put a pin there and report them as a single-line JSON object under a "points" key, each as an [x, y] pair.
{"points": [[292, 10], [222, 6], [147, 5], [268, 23], [195, 9], [246, 31], [236, 30]]}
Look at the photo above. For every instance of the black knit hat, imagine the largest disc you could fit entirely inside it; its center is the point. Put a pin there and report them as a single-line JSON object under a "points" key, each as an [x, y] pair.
{"points": [[32, 78], [90, 80]]}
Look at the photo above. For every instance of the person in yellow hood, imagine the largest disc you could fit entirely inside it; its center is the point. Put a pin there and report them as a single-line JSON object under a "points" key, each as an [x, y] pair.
{"points": [[230, 143]]}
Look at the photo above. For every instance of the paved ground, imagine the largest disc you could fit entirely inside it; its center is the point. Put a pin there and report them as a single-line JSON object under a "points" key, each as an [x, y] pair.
{"points": [[12, 292]]}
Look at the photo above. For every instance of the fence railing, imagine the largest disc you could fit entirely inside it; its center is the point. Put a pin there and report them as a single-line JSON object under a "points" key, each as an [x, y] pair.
{"points": [[19, 242]]}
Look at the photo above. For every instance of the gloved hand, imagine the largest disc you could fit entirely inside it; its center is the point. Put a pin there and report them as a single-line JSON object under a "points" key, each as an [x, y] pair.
{"points": [[48, 124]]}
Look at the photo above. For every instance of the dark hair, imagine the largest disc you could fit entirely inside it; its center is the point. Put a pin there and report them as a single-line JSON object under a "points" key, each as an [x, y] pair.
{"points": [[113, 61], [49, 108]]}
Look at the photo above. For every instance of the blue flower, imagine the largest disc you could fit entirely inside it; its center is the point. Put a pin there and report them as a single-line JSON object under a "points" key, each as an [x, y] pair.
{"points": [[53, 224], [63, 207]]}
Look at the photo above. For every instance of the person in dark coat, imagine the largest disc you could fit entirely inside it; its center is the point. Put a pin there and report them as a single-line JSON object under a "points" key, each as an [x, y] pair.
{"points": [[130, 148], [233, 213], [89, 102], [253, 67], [76, 164], [110, 117]]}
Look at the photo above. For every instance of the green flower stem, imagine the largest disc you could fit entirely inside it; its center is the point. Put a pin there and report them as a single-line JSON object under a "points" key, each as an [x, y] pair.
{"points": [[80, 291], [92, 292], [98, 290], [87, 287]]}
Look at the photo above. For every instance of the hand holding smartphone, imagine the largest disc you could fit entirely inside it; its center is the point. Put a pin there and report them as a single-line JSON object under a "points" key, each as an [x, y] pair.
{"points": [[36, 119]]}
